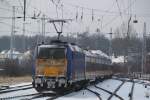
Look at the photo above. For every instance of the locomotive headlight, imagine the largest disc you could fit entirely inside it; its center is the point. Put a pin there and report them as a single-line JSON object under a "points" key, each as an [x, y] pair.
{"points": [[38, 80]]}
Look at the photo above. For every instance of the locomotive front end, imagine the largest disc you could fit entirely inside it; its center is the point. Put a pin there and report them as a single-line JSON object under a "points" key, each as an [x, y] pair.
{"points": [[50, 67]]}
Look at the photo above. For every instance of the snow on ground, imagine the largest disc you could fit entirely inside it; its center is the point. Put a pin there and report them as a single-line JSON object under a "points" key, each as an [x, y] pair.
{"points": [[125, 90], [103, 94], [41, 98], [21, 84], [81, 95], [119, 59], [19, 93], [109, 85], [140, 92], [148, 82], [113, 98]]}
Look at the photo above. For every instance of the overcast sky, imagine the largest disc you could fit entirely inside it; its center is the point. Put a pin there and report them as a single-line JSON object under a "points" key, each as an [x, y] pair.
{"points": [[107, 11]]}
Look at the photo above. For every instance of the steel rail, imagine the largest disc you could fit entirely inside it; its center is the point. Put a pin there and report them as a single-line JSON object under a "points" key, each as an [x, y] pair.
{"points": [[20, 96], [96, 93], [12, 90], [131, 93], [138, 82], [116, 90], [8, 87], [60, 95], [109, 92]]}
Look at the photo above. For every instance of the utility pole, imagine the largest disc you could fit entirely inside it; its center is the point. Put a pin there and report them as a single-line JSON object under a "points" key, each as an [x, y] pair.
{"points": [[128, 37], [144, 49], [12, 33], [23, 36], [43, 28], [24, 10], [38, 36], [62, 11], [128, 45], [110, 44]]}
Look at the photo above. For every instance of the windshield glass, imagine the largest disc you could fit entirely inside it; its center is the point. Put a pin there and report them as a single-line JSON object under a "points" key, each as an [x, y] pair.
{"points": [[54, 53]]}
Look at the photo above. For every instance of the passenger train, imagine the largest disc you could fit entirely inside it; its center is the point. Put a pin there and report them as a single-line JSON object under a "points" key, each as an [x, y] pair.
{"points": [[61, 65]]}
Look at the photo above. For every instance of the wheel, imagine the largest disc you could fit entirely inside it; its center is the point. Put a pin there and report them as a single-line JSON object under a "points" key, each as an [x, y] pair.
{"points": [[39, 89]]}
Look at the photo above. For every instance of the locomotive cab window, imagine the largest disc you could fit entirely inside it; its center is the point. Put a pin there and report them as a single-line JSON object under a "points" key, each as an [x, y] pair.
{"points": [[54, 53]]}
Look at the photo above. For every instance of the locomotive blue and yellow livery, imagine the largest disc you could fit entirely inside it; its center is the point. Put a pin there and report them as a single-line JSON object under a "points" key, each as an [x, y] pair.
{"points": [[61, 65]]}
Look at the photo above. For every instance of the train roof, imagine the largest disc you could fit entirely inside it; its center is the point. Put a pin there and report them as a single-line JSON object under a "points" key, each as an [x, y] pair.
{"points": [[50, 46], [75, 48], [99, 52], [96, 53]]}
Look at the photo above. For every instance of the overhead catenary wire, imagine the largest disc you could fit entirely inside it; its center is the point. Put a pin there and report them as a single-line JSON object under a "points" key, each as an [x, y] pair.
{"points": [[94, 9], [106, 11], [109, 8], [10, 10], [116, 17], [84, 13], [101, 11], [86, 8], [20, 4], [119, 9], [111, 13], [16, 27], [28, 4], [21, 29], [9, 5], [21, 17], [6, 1], [123, 4], [19, 12], [56, 3], [105, 14]]}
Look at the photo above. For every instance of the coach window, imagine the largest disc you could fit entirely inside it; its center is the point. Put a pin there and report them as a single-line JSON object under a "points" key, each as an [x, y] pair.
{"points": [[96, 60]]}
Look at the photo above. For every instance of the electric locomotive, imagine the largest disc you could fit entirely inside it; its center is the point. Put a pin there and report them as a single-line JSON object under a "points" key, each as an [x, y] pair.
{"points": [[61, 65]]}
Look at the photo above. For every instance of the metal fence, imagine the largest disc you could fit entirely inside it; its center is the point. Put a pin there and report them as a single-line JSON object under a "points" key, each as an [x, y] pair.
{"points": [[140, 76]]}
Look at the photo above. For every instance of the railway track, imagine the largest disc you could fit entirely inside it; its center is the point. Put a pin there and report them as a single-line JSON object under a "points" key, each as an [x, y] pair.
{"points": [[109, 92], [134, 81], [17, 88], [4, 87], [144, 83], [96, 93], [50, 96], [19, 97], [57, 96], [113, 94], [8, 87], [131, 93]]}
